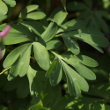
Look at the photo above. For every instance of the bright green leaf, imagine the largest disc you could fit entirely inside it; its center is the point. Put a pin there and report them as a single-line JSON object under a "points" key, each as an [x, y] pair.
{"points": [[31, 8], [41, 55], [50, 32], [36, 15], [11, 3], [13, 55], [3, 8]]}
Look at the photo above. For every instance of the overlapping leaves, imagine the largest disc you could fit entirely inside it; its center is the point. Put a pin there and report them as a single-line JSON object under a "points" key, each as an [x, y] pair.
{"points": [[41, 38]]}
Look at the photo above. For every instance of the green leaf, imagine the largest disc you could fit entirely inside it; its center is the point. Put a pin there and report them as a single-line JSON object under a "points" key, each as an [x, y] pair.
{"points": [[3, 49], [50, 32], [13, 55], [3, 8], [38, 106], [101, 22], [55, 72], [24, 62], [71, 59], [21, 66], [35, 26], [46, 92], [31, 73], [2, 17], [59, 17], [11, 3], [73, 87], [53, 44], [76, 83], [53, 27], [31, 8], [12, 73], [68, 26], [36, 15], [71, 44], [85, 72], [80, 68], [41, 55], [89, 35], [95, 40], [15, 38], [88, 61], [18, 34]]}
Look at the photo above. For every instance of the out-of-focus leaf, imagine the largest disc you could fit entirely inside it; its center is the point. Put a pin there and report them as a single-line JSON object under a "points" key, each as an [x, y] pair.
{"points": [[3, 108], [3, 8], [2, 17], [22, 88], [38, 106], [11, 3], [59, 17], [36, 15], [31, 8], [64, 4]]}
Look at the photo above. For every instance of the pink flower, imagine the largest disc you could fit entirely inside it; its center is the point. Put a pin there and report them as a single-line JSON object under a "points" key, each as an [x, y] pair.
{"points": [[2, 35], [5, 31]]}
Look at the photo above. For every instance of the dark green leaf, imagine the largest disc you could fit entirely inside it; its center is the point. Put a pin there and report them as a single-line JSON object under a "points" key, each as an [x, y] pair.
{"points": [[71, 44], [55, 72]]}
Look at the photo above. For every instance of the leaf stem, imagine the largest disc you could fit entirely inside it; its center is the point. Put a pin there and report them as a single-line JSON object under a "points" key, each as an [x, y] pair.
{"points": [[4, 70]]}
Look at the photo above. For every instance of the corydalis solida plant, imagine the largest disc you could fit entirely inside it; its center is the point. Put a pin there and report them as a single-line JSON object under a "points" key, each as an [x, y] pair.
{"points": [[4, 34]]}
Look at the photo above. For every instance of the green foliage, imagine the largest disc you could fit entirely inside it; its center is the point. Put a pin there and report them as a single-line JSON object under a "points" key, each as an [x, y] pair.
{"points": [[55, 55]]}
